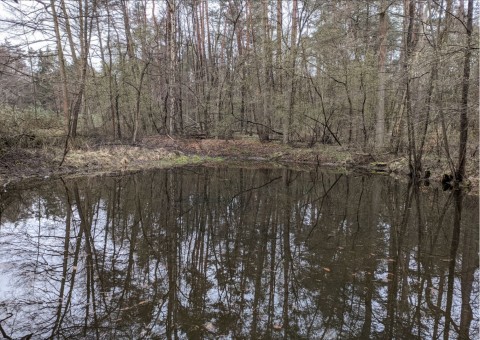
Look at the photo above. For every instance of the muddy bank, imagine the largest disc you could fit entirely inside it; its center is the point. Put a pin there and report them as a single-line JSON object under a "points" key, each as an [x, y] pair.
{"points": [[160, 151]]}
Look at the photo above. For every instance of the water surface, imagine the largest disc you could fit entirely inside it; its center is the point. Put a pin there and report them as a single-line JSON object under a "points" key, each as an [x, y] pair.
{"points": [[240, 253]]}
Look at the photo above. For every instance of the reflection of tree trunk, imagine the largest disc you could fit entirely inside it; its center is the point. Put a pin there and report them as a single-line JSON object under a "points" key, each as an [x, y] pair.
{"points": [[429, 268], [392, 289], [469, 265], [75, 258], [65, 264], [420, 276], [262, 217], [85, 214], [370, 262], [458, 197], [286, 252], [438, 316], [396, 241], [272, 281], [198, 265], [369, 289], [239, 250], [172, 265], [403, 306], [133, 233]]}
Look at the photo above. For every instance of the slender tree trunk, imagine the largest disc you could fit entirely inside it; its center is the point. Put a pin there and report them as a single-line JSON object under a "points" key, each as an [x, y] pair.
{"points": [[382, 53], [410, 42], [467, 276], [442, 40], [69, 32], [137, 103], [455, 241], [86, 24], [128, 32], [111, 89], [280, 103], [287, 124], [63, 72], [239, 28], [265, 83], [171, 36], [460, 173]]}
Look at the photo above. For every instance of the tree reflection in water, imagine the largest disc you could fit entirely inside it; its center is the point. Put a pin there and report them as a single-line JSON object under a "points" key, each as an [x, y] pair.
{"points": [[238, 253]]}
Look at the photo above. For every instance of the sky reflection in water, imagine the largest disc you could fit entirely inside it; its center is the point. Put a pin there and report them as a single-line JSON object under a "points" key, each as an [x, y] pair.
{"points": [[238, 253]]}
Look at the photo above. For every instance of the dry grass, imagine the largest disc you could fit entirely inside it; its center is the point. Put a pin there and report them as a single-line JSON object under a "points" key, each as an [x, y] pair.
{"points": [[117, 157], [161, 151]]}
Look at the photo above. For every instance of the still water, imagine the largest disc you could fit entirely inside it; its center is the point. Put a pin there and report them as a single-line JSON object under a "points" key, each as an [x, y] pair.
{"points": [[238, 253]]}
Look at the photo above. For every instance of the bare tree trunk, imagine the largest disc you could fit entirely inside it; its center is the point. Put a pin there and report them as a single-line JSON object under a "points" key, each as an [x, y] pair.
{"points": [[85, 34], [69, 32], [171, 33], [443, 39], [106, 69], [265, 82], [287, 124], [460, 173], [382, 53], [239, 28], [109, 74], [137, 103], [280, 105], [61, 60], [128, 33], [410, 42]]}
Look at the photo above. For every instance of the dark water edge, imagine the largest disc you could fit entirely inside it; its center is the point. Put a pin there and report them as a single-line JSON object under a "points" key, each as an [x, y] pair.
{"points": [[217, 252]]}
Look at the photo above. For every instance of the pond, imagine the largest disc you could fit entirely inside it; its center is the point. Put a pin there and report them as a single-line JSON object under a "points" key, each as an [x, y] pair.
{"points": [[238, 253]]}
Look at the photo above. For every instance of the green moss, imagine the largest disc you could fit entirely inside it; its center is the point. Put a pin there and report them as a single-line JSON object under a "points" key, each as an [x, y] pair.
{"points": [[193, 159]]}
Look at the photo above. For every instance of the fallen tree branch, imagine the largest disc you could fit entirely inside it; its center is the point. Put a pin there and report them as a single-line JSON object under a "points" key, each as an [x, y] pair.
{"points": [[256, 123], [326, 126]]}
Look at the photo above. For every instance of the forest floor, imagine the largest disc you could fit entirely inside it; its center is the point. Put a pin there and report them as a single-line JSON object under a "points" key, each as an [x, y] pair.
{"points": [[17, 164]]}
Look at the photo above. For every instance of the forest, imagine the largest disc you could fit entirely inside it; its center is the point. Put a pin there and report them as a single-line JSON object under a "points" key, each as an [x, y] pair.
{"points": [[253, 169], [380, 76]]}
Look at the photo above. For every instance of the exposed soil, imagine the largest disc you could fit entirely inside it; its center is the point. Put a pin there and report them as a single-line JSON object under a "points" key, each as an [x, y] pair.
{"points": [[162, 151]]}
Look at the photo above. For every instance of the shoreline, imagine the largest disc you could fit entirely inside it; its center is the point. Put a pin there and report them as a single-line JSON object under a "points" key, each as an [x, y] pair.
{"points": [[17, 165]]}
